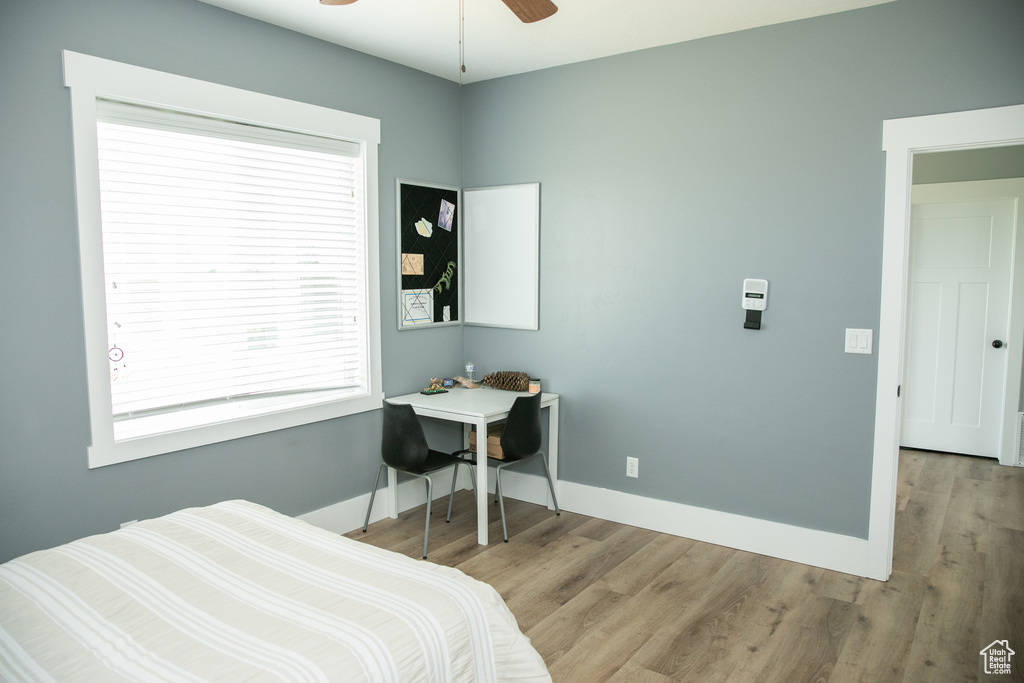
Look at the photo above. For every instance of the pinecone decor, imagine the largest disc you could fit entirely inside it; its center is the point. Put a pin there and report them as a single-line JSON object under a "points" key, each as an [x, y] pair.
{"points": [[508, 380]]}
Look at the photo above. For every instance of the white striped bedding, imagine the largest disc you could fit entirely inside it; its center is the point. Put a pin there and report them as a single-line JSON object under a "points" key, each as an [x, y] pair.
{"points": [[238, 592]]}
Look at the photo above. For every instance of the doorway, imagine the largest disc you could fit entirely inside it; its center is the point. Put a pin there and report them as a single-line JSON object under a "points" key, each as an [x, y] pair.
{"points": [[957, 394], [901, 139]]}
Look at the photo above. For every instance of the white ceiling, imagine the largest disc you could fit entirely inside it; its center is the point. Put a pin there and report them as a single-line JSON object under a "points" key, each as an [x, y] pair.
{"points": [[424, 34]]}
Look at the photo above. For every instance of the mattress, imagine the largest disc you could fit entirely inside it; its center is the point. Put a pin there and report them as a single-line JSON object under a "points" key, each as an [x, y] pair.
{"points": [[238, 592]]}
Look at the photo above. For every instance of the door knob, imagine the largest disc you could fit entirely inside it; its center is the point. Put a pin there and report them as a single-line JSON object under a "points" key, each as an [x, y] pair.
{"points": [[997, 344]]}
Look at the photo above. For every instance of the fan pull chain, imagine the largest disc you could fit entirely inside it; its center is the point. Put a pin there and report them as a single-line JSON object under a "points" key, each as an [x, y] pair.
{"points": [[462, 39]]}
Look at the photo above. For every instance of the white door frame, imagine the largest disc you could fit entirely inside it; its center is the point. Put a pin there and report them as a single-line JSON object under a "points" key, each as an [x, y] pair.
{"points": [[901, 139]]}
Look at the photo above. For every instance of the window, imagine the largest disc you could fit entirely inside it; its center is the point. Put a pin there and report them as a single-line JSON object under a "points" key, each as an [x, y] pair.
{"points": [[228, 247]]}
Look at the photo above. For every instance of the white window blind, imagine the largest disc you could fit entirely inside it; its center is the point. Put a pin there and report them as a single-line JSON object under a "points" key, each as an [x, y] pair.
{"points": [[234, 268]]}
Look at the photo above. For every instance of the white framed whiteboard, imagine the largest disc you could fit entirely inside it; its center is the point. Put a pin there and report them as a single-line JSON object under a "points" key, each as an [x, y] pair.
{"points": [[501, 256]]}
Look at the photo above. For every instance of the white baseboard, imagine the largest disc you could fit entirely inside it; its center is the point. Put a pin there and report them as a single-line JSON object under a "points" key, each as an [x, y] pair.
{"points": [[348, 515], [837, 552], [797, 544]]}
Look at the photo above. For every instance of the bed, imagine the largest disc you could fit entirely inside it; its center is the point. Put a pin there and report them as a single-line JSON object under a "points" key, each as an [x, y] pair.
{"points": [[238, 592]]}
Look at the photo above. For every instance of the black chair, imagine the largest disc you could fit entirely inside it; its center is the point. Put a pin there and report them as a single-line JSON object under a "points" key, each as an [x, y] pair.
{"points": [[404, 447], [520, 442]]}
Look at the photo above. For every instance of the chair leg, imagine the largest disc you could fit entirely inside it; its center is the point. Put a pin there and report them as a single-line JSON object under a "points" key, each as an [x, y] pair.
{"points": [[426, 530], [373, 492], [472, 481], [451, 496], [551, 485], [501, 501]]}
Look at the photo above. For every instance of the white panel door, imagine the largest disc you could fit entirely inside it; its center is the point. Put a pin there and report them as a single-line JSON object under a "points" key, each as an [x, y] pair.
{"points": [[958, 298]]}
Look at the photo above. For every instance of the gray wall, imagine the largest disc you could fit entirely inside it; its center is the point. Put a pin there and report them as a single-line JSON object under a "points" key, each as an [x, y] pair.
{"points": [[670, 175], [47, 495]]}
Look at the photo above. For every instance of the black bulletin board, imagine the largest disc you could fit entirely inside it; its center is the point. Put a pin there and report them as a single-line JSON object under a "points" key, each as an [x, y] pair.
{"points": [[429, 256]]}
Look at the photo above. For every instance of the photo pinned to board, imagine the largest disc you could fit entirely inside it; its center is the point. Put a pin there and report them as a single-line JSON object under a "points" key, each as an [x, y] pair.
{"points": [[444, 219], [412, 264]]}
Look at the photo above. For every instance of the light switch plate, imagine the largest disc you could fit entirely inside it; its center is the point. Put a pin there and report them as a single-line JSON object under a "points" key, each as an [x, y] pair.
{"points": [[858, 341]]}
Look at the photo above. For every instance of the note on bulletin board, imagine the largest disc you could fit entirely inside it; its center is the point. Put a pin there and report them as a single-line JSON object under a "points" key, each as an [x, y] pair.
{"points": [[429, 259]]}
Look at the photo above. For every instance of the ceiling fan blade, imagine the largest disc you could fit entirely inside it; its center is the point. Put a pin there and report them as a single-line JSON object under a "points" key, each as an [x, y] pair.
{"points": [[530, 11], [336, 2]]}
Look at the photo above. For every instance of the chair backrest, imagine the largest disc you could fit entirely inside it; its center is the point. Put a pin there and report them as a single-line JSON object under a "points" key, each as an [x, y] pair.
{"points": [[403, 444], [522, 437]]}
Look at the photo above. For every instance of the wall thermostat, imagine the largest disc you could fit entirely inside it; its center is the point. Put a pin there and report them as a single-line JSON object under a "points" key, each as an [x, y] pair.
{"points": [[755, 300], [755, 294]]}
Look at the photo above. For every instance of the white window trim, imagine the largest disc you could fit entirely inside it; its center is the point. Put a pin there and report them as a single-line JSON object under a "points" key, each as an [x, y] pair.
{"points": [[89, 78]]}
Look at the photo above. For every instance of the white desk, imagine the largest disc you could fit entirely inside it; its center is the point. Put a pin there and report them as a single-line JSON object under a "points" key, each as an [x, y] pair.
{"points": [[477, 407]]}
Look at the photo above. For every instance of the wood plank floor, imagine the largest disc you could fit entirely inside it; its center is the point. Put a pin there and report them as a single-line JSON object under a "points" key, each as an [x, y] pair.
{"points": [[607, 602]]}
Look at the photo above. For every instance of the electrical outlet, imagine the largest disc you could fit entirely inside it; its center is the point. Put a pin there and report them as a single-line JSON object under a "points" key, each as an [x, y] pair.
{"points": [[632, 467]]}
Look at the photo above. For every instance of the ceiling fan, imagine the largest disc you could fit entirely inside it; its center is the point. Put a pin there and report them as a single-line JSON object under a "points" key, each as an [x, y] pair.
{"points": [[528, 11]]}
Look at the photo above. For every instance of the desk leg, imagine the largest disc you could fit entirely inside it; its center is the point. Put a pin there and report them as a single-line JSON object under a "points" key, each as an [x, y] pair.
{"points": [[392, 493], [553, 450], [481, 482]]}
